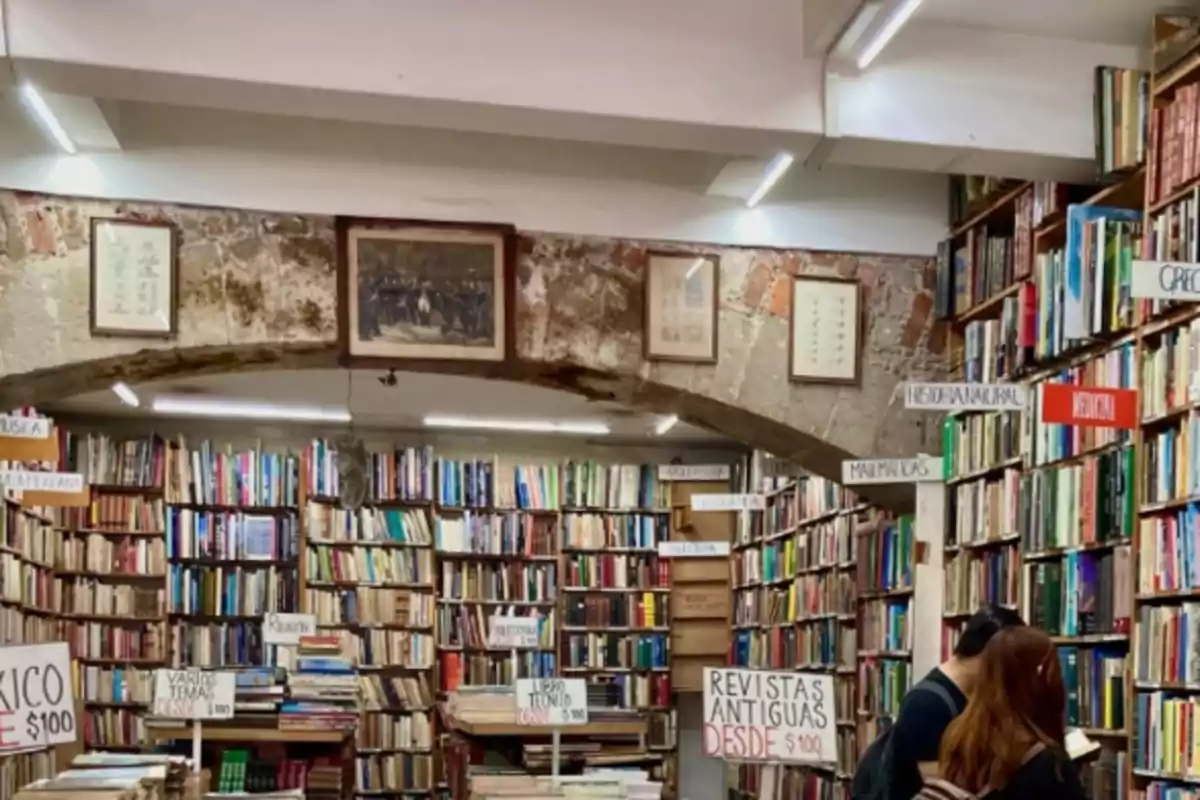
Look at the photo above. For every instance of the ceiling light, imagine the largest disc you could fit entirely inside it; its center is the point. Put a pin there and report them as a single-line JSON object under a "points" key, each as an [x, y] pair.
{"points": [[775, 170], [890, 28], [243, 409], [693, 269], [33, 98], [519, 425], [665, 424], [127, 395]]}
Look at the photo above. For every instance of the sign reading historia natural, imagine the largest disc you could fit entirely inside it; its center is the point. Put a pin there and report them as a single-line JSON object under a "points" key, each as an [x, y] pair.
{"points": [[922, 469], [36, 703], [773, 717], [552, 702], [193, 694], [728, 502], [286, 629], [513, 632], [965, 396]]}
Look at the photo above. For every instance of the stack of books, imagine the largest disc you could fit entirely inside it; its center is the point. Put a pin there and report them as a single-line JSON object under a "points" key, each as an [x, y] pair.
{"points": [[259, 690], [322, 690]]}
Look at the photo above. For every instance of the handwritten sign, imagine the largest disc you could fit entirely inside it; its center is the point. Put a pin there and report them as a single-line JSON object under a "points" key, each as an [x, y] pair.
{"points": [[288, 628], [1165, 280], [965, 396], [24, 427], [728, 502], [36, 704], [693, 549], [513, 632], [772, 717], [552, 701], [193, 694], [25, 480], [700, 603], [1089, 406], [923, 469], [693, 472]]}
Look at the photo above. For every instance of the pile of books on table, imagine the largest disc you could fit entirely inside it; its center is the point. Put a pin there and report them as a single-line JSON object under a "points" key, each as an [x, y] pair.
{"points": [[483, 704], [322, 689], [259, 690]]}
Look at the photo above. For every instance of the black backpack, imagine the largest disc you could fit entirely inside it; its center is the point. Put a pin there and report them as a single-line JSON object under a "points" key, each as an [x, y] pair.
{"points": [[875, 776]]}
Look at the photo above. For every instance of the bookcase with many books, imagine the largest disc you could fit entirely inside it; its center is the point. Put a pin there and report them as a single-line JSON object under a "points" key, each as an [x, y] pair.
{"points": [[795, 607]]}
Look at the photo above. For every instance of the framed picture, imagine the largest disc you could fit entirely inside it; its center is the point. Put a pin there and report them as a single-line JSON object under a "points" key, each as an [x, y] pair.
{"points": [[425, 290], [134, 278], [681, 295], [825, 330]]}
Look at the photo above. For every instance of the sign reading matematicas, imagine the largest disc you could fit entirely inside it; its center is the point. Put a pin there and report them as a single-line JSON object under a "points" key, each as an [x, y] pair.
{"points": [[1165, 280], [965, 396], [922, 469]]}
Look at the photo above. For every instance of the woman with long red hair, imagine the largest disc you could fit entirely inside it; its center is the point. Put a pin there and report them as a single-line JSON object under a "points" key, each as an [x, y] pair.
{"points": [[1008, 742]]}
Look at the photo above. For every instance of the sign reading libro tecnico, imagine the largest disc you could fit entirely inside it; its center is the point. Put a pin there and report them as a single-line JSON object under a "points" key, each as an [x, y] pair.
{"points": [[728, 502], [693, 549], [552, 701], [286, 629], [24, 427], [965, 396], [513, 632], [26, 480], [1164, 280], [773, 717], [922, 469], [693, 472], [36, 703], [193, 694]]}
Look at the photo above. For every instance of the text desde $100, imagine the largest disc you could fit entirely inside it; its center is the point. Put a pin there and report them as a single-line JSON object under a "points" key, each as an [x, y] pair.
{"points": [[40, 725]]}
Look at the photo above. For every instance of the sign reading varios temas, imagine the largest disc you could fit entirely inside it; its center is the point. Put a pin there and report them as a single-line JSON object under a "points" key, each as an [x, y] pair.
{"points": [[922, 469], [36, 703], [774, 717], [965, 396], [552, 701], [193, 694], [286, 629]]}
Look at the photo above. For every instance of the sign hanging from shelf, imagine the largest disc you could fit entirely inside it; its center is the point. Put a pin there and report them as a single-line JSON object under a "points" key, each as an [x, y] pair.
{"points": [[554, 702], [16, 427], [1164, 280], [193, 694], [33, 481], [693, 472], [922, 469], [1088, 406], [728, 502], [965, 396], [286, 629], [512, 632], [769, 717], [37, 706], [693, 549]]}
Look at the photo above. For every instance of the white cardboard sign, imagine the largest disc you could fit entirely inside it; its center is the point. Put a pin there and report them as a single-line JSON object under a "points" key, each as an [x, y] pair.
{"points": [[286, 629], [552, 701], [965, 396], [26, 480], [693, 549], [728, 502], [693, 472], [1165, 280], [193, 694], [922, 469], [513, 632], [37, 706], [24, 427], [769, 717]]}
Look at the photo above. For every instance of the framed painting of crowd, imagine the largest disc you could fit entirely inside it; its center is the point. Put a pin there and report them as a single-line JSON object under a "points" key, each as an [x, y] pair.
{"points": [[424, 290]]}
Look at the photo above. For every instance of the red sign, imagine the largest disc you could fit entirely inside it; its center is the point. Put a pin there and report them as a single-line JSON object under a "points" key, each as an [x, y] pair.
{"points": [[1089, 406]]}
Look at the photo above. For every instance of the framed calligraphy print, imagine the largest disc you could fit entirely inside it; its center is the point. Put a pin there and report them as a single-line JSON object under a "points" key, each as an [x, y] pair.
{"points": [[681, 296], [134, 278], [825, 330]]}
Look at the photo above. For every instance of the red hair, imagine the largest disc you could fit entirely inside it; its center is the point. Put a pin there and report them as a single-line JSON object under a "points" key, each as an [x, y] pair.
{"points": [[1018, 701]]}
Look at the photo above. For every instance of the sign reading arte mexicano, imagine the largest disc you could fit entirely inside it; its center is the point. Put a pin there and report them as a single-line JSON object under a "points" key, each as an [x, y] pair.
{"points": [[922, 469], [965, 396], [24, 480]]}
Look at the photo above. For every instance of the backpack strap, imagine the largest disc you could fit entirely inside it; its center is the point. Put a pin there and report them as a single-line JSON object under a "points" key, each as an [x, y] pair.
{"points": [[1033, 752], [933, 687]]}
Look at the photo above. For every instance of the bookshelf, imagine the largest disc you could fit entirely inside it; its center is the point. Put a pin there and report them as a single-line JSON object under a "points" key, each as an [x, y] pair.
{"points": [[795, 607]]}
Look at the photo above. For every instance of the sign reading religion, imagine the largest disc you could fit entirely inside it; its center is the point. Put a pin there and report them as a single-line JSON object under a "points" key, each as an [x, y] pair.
{"points": [[771, 717]]}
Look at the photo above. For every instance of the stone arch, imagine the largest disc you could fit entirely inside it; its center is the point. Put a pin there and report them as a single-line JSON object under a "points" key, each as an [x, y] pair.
{"points": [[257, 291]]}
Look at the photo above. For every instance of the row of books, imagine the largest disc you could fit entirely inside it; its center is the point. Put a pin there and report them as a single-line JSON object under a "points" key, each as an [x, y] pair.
{"points": [[885, 555], [616, 572], [114, 684], [468, 627], [974, 442], [369, 565], [231, 591], [411, 732], [103, 460], [886, 625], [882, 684], [89, 597], [377, 526], [401, 473], [811, 596], [820, 644], [1173, 159], [211, 475], [1167, 557], [408, 693], [984, 510], [627, 531], [17, 627], [95, 553], [1079, 504], [109, 640], [388, 647], [508, 533], [588, 484], [648, 610], [457, 669], [30, 536], [1094, 679], [1083, 593], [1122, 110], [499, 582], [399, 771], [975, 578], [228, 535], [617, 650], [118, 513], [366, 605], [1168, 644], [1168, 363]]}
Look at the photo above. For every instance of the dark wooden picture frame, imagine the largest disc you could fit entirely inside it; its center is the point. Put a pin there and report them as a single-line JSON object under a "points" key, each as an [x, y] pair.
{"points": [[346, 231], [713, 262], [856, 326], [94, 272]]}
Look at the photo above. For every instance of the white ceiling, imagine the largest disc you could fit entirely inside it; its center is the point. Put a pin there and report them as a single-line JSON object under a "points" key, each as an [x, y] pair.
{"points": [[403, 406], [1124, 22]]}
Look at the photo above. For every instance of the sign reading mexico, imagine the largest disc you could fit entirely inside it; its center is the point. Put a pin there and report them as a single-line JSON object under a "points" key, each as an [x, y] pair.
{"points": [[36, 704], [193, 694], [552, 701], [774, 717]]}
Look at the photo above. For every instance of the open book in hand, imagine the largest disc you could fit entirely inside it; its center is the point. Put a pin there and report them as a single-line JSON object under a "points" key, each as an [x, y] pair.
{"points": [[1079, 746]]}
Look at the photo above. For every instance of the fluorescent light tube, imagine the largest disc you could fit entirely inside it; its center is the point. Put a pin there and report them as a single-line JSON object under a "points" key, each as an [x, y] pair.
{"points": [[779, 165], [693, 269], [245, 409], [890, 28], [518, 425], [33, 99], [127, 395], [665, 424]]}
